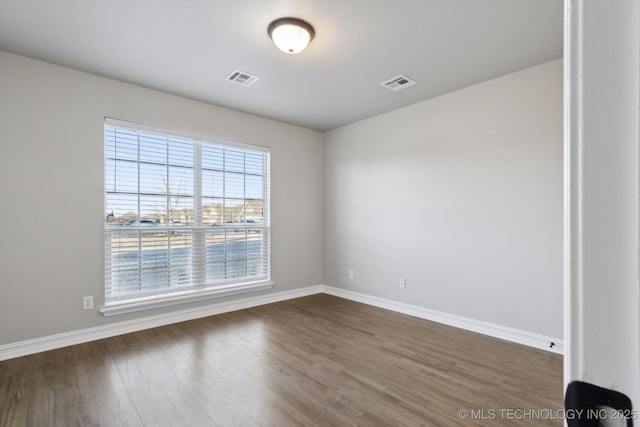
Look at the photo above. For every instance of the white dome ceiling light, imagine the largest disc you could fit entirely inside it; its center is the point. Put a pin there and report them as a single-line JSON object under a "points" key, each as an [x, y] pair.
{"points": [[291, 35]]}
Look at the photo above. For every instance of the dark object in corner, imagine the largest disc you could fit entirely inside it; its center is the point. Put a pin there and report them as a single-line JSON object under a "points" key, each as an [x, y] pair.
{"points": [[585, 404]]}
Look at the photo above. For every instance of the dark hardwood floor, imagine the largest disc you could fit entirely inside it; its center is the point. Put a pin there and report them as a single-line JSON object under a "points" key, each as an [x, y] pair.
{"points": [[313, 361]]}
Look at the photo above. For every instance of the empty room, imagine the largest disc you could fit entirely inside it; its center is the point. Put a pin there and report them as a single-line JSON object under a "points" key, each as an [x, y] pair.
{"points": [[305, 212]]}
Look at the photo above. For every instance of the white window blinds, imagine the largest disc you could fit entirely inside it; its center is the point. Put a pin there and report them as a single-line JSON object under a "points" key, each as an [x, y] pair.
{"points": [[182, 215]]}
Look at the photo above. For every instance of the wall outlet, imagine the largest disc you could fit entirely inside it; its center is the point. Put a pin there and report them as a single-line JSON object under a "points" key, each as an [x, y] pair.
{"points": [[87, 303], [403, 283], [351, 274]]}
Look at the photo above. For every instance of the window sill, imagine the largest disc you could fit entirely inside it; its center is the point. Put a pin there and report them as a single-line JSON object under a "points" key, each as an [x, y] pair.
{"points": [[139, 304]]}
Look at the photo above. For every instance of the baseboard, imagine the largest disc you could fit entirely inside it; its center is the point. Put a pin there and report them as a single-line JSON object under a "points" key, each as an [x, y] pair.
{"points": [[24, 348], [530, 339]]}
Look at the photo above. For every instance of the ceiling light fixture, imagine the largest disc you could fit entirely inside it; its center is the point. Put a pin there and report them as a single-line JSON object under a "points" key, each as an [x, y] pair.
{"points": [[291, 35]]}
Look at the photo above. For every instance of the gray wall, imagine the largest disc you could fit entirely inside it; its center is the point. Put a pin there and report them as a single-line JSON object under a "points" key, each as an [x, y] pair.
{"points": [[51, 190], [460, 195]]}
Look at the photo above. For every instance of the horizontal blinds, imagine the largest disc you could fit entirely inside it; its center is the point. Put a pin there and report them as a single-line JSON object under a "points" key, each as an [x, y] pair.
{"points": [[123, 124], [182, 214]]}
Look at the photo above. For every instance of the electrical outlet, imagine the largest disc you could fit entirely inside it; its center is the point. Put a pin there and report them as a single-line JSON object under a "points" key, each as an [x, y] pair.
{"points": [[403, 284], [87, 303], [351, 274]]}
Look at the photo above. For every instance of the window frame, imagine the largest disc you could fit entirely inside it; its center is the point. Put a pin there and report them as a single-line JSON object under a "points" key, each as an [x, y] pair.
{"points": [[198, 288]]}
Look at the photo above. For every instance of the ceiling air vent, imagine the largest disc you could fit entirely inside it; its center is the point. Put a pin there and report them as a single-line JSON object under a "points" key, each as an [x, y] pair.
{"points": [[242, 78], [398, 83]]}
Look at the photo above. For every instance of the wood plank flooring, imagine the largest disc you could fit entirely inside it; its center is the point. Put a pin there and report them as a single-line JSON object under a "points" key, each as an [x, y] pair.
{"points": [[313, 361]]}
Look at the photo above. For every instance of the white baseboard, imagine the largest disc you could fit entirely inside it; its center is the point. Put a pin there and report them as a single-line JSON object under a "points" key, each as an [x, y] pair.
{"points": [[530, 339], [24, 348]]}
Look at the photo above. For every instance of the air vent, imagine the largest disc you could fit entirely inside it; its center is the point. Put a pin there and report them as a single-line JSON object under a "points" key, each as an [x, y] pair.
{"points": [[242, 78], [398, 83]]}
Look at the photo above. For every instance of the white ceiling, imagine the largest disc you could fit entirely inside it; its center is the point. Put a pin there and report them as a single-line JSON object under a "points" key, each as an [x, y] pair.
{"points": [[188, 47]]}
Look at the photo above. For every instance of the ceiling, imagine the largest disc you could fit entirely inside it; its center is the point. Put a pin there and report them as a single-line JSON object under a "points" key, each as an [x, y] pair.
{"points": [[188, 47]]}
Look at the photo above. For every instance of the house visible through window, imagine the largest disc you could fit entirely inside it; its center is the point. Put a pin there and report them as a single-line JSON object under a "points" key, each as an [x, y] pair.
{"points": [[183, 217]]}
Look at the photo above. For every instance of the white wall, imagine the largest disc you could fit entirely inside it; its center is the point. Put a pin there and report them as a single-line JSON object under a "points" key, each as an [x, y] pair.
{"points": [[51, 190], [603, 113], [462, 196]]}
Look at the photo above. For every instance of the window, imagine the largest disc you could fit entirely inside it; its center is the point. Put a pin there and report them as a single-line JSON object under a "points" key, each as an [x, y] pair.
{"points": [[184, 219]]}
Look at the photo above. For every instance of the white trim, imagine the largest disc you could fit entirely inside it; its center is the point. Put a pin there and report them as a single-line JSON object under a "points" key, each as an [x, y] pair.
{"points": [[37, 345], [573, 256], [148, 303], [24, 348], [491, 329]]}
